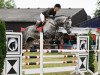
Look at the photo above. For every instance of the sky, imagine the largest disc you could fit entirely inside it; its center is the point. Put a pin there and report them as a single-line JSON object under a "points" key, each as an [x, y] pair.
{"points": [[88, 5]]}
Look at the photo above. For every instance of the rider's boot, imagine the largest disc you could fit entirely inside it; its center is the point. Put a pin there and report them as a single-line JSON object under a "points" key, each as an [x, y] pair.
{"points": [[40, 24]]}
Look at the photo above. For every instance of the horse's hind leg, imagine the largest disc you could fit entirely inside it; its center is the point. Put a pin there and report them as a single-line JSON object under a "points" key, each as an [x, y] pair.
{"points": [[29, 42]]}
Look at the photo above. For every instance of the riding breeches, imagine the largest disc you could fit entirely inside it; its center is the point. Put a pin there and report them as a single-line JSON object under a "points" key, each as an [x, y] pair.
{"points": [[42, 17]]}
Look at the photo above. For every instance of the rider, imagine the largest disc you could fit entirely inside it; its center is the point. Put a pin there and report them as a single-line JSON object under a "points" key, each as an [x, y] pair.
{"points": [[49, 13]]}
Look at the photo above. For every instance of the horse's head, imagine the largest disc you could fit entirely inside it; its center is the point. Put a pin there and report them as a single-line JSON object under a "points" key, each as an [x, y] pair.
{"points": [[65, 22]]}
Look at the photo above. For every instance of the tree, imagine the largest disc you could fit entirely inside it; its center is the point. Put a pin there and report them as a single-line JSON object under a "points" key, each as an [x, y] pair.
{"points": [[97, 12], [1, 3], [91, 53], [2, 45], [7, 4]]}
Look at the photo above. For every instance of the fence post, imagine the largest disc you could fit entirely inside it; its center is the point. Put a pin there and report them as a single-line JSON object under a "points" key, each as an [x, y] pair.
{"points": [[41, 53], [99, 57]]}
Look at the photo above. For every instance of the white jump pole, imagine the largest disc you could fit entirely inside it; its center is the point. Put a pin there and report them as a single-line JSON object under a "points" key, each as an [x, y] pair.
{"points": [[41, 53]]}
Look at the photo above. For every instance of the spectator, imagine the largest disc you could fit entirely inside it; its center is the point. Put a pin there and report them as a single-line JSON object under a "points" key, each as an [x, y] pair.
{"points": [[61, 44], [65, 40], [75, 39]]}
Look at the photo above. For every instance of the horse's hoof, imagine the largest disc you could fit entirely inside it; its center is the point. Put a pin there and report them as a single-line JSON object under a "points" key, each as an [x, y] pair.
{"points": [[68, 32]]}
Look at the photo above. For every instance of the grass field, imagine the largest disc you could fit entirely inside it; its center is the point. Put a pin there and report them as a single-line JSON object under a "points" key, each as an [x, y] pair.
{"points": [[50, 65]]}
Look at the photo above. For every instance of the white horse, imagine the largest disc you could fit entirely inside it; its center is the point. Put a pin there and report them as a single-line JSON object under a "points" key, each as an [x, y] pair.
{"points": [[50, 28]]}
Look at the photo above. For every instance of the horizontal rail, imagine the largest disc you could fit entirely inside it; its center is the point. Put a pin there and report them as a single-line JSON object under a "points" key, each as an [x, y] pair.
{"points": [[50, 62], [49, 56], [56, 51]]}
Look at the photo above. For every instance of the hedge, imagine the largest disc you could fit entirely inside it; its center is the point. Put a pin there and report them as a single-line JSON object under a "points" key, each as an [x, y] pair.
{"points": [[2, 44]]}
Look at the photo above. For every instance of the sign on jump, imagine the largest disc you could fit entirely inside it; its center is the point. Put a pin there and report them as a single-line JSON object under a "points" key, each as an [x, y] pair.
{"points": [[14, 54]]}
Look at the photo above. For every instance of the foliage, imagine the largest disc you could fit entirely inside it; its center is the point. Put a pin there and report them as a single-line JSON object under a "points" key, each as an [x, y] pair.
{"points": [[7, 4], [91, 53], [2, 45], [97, 12]]}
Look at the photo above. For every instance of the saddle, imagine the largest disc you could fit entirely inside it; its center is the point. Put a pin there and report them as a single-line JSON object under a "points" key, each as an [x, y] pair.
{"points": [[39, 24]]}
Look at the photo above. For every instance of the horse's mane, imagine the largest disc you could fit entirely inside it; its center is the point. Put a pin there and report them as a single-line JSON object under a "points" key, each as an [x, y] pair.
{"points": [[58, 19], [61, 16]]}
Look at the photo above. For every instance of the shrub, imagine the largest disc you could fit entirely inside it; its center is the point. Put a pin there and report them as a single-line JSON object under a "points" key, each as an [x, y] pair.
{"points": [[2, 44]]}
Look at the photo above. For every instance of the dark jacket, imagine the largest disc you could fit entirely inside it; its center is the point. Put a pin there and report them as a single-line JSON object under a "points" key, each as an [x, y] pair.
{"points": [[50, 11]]}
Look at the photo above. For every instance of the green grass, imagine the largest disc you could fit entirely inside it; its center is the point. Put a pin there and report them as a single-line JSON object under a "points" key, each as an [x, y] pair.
{"points": [[48, 59]]}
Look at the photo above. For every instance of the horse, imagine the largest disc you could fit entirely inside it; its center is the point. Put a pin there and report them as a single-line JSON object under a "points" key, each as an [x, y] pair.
{"points": [[51, 27]]}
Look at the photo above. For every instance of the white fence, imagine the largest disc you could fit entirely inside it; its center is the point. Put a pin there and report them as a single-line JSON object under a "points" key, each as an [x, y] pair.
{"points": [[14, 56]]}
